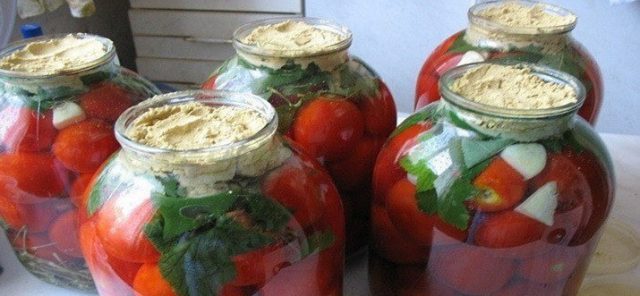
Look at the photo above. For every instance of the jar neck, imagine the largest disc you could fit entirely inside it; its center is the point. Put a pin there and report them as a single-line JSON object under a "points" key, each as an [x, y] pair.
{"points": [[517, 129], [327, 56], [522, 125], [215, 165], [75, 82], [487, 32], [480, 36], [326, 62], [74, 79]]}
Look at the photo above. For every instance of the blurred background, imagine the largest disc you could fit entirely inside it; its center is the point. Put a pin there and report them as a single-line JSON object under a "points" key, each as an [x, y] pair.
{"points": [[394, 38]]}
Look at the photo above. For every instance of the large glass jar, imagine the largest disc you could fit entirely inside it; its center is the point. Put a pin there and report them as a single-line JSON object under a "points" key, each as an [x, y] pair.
{"points": [[56, 130], [486, 39], [329, 102], [472, 199], [238, 218]]}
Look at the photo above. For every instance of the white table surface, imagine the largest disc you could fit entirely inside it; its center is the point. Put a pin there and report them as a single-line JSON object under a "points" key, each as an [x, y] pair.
{"points": [[624, 149]]}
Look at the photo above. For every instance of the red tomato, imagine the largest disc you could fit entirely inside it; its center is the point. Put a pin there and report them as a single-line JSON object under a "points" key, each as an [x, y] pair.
{"points": [[427, 85], [355, 171], [560, 233], [10, 213], [27, 130], [38, 245], [471, 270], [258, 266], [125, 270], [314, 275], [601, 188], [386, 171], [105, 101], [501, 187], [390, 244], [379, 113], [402, 207], [78, 188], [229, 290], [33, 174], [106, 280], [551, 267], [150, 282], [294, 187], [210, 83], [573, 188], [64, 234], [328, 128], [508, 229], [120, 226], [84, 146]]}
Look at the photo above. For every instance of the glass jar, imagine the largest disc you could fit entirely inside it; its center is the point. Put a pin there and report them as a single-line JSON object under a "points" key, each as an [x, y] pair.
{"points": [[471, 199], [489, 40], [56, 130], [251, 216], [330, 103]]}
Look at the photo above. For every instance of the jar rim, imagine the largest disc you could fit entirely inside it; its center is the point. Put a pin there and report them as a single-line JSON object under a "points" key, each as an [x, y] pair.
{"points": [[14, 46], [475, 18], [241, 32], [545, 73], [216, 97]]}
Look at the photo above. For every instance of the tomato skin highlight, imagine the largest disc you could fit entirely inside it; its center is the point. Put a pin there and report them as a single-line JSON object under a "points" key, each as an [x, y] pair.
{"points": [[64, 234], [84, 146], [508, 229], [105, 101], [28, 130], [471, 270], [150, 282], [122, 233], [501, 186], [328, 128]]}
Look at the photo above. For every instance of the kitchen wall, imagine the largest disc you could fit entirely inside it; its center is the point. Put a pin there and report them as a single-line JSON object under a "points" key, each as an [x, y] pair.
{"points": [[395, 37]]}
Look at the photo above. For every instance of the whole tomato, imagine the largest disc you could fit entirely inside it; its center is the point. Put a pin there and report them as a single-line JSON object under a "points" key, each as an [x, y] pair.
{"points": [[84, 146], [328, 127], [105, 101], [120, 225]]}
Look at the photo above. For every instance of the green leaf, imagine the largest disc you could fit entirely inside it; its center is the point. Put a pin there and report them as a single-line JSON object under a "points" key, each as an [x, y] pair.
{"points": [[451, 207], [96, 77], [186, 214], [266, 213], [317, 242], [475, 151], [428, 113], [353, 84], [420, 170], [460, 45], [428, 201]]}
